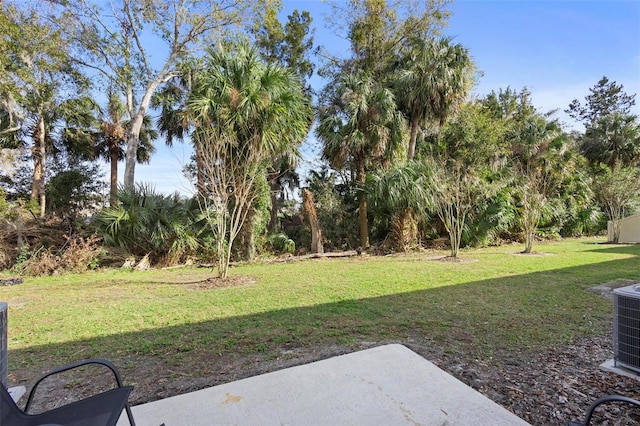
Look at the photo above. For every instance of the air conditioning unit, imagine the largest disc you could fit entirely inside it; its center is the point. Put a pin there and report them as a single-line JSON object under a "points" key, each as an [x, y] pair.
{"points": [[626, 327]]}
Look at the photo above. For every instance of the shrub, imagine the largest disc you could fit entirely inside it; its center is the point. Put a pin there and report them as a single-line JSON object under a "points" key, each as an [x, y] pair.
{"points": [[168, 228], [281, 243], [78, 255]]}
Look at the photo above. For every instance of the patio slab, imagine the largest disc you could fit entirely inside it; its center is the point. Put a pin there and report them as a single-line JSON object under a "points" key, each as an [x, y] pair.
{"points": [[386, 385]]}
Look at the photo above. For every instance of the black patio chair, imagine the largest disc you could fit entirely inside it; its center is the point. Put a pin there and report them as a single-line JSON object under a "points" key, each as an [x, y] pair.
{"points": [[102, 409], [604, 400]]}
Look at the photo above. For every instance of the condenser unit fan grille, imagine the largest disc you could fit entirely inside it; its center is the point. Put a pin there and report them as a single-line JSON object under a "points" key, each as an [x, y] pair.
{"points": [[627, 327]]}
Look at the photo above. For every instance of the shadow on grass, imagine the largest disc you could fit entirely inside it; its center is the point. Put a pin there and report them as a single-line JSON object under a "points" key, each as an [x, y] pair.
{"points": [[523, 312], [621, 248]]}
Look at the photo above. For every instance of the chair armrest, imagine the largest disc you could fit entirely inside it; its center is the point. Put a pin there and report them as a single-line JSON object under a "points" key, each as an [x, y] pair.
{"points": [[78, 364]]}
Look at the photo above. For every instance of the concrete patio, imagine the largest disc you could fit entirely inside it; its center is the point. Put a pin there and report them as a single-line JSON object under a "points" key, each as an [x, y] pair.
{"points": [[387, 385]]}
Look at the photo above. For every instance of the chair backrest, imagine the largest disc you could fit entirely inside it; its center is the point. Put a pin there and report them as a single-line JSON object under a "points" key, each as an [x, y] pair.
{"points": [[103, 409]]}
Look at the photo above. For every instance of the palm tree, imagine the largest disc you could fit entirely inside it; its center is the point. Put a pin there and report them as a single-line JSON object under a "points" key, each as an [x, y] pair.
{"points": [[42, 90], [433, 80], [360, 127], [245, 113], [540, 160], [613, 140], [144, 222], [46, 115], [175, 122], [111, 140], [400, 193]]}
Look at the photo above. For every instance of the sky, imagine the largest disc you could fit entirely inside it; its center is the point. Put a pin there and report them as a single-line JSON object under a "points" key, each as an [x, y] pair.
{"points": [[556, 49]]}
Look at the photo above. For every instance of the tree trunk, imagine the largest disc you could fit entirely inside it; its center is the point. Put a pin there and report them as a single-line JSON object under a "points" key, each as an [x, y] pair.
{"points": [[405, 230], [362, 201], [411, 150], [113, 189], [41, 189], [133, 139], [529, 222], [310, 212], [615, 215], [248, 237], [528, 242], [39, 153], [455, 244], [455, 234], [200, 186], [250, 243], [273, 225], [363, 221], [37, 170], [133, 133], [617, 224], [223, 255]]}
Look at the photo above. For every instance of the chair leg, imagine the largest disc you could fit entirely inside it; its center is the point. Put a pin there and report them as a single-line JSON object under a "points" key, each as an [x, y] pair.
{"points": [[127, 408]]}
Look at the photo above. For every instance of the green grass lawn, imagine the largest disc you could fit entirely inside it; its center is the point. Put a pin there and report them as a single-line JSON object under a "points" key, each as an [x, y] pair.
{"points": [[500, 301]]}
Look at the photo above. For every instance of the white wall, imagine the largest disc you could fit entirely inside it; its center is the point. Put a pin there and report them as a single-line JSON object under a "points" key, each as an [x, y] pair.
{"points": [[629, 229]]}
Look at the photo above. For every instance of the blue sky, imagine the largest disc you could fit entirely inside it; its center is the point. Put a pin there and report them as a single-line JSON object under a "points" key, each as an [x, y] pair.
{"points": [[557, 49]]}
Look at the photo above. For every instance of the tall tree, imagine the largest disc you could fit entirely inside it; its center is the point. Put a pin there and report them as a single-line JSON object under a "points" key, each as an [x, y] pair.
{"points": [[378, 29], [246, 112], [607, 97], [362, 128], [539, 160], [52, 121], [433, 80], [462, 165], [11, 72], [360, 125], [611, 144], [111, 140], [289, 46], [119, 44], [539, 154], [46, 89], [454, 190], [613, 140]]}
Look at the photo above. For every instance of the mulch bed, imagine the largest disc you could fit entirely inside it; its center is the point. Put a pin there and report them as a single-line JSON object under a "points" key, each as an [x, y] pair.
{"points": [[10, 281], [216, 283], [549, 387]]}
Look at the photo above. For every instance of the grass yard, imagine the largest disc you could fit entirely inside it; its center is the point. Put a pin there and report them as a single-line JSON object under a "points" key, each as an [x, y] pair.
{"points": [[497, 302]]}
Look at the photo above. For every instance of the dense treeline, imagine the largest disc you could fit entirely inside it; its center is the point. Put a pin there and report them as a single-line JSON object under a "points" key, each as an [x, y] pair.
{"points": [[410, 157]]}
